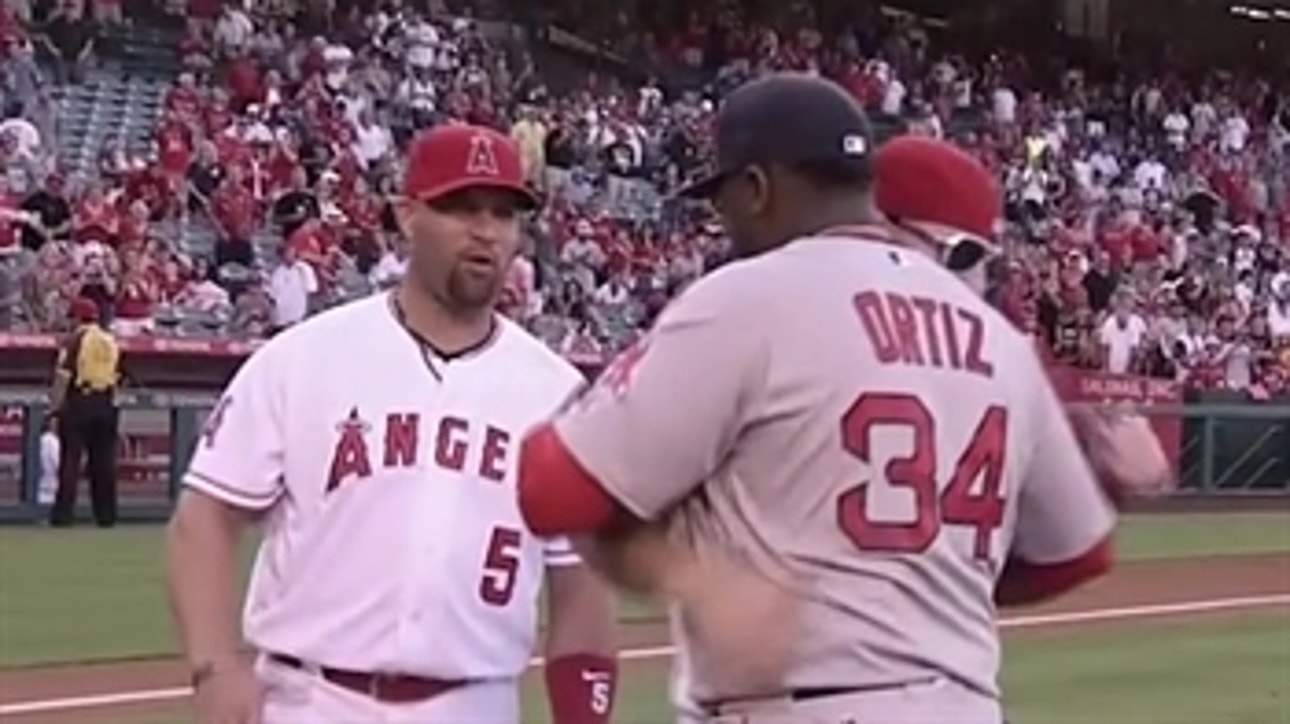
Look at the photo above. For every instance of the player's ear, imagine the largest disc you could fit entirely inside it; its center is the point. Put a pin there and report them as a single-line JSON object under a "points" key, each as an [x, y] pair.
{"points": [[758, 183], [404, 210]]}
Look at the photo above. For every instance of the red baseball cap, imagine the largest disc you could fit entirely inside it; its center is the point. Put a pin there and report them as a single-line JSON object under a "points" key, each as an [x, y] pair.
{"points": [[920, 179], [451, 158]]}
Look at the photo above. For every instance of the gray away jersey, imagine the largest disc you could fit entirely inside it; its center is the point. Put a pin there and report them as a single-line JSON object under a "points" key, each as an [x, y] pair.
{"points": [[864, 428]]}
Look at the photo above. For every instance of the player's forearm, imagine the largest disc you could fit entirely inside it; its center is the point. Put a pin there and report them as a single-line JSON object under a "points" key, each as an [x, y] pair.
{"points": [[582, 614], [581, 667], [640, 559], [58, 393], [602, 555], [201, 562]]}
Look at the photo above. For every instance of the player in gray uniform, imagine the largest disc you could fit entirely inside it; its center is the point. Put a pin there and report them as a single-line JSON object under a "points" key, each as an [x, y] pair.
{"points": [[841, 415]]}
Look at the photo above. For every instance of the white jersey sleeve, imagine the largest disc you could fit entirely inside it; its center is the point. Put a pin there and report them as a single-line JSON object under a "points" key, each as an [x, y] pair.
{"points": [[558, 553], [239, 458]]}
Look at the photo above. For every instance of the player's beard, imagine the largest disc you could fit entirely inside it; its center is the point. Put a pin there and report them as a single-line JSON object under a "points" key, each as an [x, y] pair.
{"points": [[468, 289]]}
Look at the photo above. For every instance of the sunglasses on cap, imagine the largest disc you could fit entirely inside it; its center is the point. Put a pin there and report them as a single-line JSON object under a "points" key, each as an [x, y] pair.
{"points": [[965, 251], [959, 251]]}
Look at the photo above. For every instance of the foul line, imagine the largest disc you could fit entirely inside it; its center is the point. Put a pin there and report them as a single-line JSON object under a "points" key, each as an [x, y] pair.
{"points": [[656, 652]]}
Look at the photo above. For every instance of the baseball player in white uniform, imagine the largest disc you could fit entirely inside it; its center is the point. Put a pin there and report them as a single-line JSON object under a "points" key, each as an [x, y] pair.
{"points": [[841, 417], [377, 444]]}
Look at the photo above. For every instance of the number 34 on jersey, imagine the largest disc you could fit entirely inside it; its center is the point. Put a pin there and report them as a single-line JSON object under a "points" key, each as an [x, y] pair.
{"points": [[969, 495]]}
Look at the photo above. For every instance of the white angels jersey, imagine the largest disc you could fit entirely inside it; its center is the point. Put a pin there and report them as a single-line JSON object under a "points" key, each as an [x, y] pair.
{"points": [[393, 540]]}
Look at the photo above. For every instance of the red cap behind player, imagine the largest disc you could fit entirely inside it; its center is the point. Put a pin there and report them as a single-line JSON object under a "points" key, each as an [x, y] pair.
{"points": [[942, 195]]}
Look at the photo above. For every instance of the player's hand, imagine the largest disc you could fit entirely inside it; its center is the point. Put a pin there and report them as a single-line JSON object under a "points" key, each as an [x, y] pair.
{"points": [[745, 626], [642, 560], [1124, 452], [231, 695]]}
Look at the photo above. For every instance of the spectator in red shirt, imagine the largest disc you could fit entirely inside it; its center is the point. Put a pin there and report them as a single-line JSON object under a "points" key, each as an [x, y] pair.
{"points": [[174, 146], [184, 100], [95, 217], [1116, 238], [169, 279], [1146, 244], [132, 232], [245, 82], [236, 215]]}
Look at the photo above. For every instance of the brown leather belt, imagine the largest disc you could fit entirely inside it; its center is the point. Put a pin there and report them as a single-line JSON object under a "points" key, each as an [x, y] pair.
{"points": [[389, 688]]}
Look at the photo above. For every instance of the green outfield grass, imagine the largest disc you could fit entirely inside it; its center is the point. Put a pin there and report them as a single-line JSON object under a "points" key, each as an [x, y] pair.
{"points": [[1233, 672], [85, 594], [1163, 536]]}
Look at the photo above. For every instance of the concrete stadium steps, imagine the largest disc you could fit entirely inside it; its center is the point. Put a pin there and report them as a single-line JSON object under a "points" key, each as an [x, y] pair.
{"points": [[120, 100], [107, 107]]}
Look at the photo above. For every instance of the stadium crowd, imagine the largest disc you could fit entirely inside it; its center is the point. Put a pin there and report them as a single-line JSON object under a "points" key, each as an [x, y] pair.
{"points": [[1148, 210]]}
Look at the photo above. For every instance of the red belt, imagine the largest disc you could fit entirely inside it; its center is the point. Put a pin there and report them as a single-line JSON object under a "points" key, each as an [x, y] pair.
{"points": [[390, 688]]}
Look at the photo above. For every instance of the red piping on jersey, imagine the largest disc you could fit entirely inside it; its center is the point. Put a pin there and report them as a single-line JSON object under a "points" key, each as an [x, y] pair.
{"points": [[1023, 582], [557, 495]]}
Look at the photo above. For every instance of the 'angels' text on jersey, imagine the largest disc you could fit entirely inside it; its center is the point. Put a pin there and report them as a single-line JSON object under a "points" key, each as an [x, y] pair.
{"points": [[456, 444], [393, 542]]}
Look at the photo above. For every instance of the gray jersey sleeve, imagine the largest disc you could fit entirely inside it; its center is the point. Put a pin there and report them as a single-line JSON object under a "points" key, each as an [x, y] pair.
{"points": [[1062, 511], [663, 416]]}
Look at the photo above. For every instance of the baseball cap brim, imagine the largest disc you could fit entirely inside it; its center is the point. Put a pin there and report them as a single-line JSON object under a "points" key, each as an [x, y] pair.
{"points": [[704, 188], [528, 198]]}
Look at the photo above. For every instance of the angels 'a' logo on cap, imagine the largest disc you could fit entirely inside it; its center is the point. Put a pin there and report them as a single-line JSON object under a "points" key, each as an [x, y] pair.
{"points": [[482, 160]]}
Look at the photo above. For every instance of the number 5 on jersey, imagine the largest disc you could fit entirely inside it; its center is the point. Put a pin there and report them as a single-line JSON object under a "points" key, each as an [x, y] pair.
{"points": [[959, 504], [501, 566]]}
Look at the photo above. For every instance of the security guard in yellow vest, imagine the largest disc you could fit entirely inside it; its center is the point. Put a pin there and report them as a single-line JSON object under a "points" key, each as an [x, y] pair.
{"points": [[84, 402]]}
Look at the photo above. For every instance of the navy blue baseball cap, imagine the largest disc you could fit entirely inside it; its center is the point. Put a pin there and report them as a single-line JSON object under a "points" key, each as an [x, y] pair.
{"points": [[785, 118]]}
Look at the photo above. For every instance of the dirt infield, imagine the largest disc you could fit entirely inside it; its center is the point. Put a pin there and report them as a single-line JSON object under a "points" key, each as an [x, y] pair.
{"points": [[145, 690]]}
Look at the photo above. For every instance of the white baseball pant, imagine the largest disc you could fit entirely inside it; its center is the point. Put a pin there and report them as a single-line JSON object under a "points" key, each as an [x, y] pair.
{"points": [[296, 696]]}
